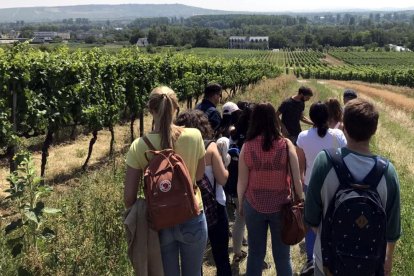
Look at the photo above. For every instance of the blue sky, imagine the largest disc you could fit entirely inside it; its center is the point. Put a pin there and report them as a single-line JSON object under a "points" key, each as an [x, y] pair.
{"points": [[234, 5]]}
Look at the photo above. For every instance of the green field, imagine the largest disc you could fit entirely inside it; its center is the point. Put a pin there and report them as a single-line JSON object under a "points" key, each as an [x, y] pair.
{"points": [[86, 237]]}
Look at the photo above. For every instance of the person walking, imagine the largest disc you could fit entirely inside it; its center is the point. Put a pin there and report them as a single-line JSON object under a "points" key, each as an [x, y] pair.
{"points": [[349, 94], [291, 111], [263, 188], [217, 174], [212, 96], [335, 113], [369, 223], [310, 143], [183, 245]]}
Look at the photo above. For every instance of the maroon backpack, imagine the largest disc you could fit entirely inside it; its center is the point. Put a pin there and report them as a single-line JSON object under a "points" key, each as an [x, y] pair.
{"points": [[168, 189]]}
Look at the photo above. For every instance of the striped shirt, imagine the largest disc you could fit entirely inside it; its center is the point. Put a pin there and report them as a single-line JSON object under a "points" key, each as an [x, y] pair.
{"points": [[267, 188]]}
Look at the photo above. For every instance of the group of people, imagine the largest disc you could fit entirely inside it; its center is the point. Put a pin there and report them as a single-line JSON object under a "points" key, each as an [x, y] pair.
{"points": [[250, 154]]}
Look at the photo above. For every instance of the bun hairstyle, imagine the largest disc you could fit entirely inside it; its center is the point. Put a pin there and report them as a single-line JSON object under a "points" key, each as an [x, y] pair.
{"points": [[319, 115], [163, 103], [334, 110]]}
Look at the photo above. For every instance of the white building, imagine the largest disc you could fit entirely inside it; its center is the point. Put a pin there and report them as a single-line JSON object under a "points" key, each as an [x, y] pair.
{"points": [[249, 42], [142, 42], [397, 48]]}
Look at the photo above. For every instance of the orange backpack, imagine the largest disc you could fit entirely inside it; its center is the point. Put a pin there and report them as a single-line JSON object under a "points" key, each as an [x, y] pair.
{"points": [[168, 189]]}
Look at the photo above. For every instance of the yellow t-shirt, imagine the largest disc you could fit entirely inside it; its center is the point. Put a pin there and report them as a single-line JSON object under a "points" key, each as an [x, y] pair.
{"points": [[189, 146]]}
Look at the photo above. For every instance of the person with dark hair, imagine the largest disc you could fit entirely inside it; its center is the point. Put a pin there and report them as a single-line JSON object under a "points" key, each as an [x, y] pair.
{"points": [[183, 245], [375, 251], [217, 175], [263, 188], [212, 96], [237, 138], [349, 94], [230, 114], [335, 113], [310, 143], [292, 113]]}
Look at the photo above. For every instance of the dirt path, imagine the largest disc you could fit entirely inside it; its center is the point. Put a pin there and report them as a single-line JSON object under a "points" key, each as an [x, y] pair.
{"points": [[332, 61], [392, 98]]}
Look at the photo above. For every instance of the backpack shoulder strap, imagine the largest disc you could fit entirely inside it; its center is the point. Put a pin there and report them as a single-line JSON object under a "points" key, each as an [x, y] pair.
{"points": [[344, 175], [374, 176], [207, 143], [150, 146], [148, 142]]}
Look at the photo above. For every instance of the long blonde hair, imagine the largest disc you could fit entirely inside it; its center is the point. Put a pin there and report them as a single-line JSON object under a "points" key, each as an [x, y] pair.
{"points": [[163, 103]]}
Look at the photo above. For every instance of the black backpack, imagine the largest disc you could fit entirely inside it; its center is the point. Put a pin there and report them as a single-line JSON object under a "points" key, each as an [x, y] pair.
{"points": [[233, 168], [353, 229]]}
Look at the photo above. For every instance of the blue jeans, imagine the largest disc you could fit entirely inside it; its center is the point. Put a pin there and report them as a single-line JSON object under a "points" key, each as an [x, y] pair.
{"points": [[184, 244], [310, 237], [257, 228]]}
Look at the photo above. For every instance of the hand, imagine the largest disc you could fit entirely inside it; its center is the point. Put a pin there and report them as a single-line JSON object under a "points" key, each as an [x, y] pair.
{"points": [[387, 266], [223, 148], [227, 160], [240, 210]]}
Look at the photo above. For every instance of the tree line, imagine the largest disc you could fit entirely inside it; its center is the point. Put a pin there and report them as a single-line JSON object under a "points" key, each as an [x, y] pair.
{"points": [[42, 93], [312, 30]]}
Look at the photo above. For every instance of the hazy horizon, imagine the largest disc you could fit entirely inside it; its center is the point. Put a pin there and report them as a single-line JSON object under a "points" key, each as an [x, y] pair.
{"points": [[233, 5]]}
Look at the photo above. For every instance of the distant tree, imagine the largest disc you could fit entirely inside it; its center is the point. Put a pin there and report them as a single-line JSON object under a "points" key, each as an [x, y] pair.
{"points": [[136, 34], [152, 36], [90, 39], [26, 32]]}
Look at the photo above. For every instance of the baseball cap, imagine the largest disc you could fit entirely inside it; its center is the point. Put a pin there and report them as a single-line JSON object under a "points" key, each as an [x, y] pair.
{"points": [[350, 94], [229, 108]]}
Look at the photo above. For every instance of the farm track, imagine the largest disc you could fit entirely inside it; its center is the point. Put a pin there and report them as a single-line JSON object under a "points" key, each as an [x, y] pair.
{"points": [[332, 60], [397, 100]]}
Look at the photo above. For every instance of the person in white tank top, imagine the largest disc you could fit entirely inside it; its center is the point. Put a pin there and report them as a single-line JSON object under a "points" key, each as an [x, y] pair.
{"points": [[217, 174]]}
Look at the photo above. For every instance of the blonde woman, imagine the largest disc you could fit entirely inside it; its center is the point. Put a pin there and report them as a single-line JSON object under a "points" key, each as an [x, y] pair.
{"points": [[183, 245]]}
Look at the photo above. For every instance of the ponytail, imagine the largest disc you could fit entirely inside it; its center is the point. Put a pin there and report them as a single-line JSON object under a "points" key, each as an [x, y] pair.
{"points": [[318, 113], [163, 102], [322, 130]]}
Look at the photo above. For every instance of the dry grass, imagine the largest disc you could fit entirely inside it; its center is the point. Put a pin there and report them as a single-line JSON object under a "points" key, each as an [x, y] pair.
{"points": [[407, 91], [65, 160], [394, 99]]}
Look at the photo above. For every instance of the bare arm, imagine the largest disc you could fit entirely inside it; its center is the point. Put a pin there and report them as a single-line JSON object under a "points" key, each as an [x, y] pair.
{"points": [[201, 167], [388, 258], [280, 124], [306, 120], [242, 180], [294, 166], [302, 162], [132, 183], [219, 171]]}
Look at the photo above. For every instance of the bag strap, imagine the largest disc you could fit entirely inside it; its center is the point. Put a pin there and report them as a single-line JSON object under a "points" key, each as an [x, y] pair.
{"points": [[345, 177], [148, 142], [206, 145], [289, 171]]}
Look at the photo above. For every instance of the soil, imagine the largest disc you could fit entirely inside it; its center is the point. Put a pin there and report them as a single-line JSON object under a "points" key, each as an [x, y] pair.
{"points": [[332, 61]]}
